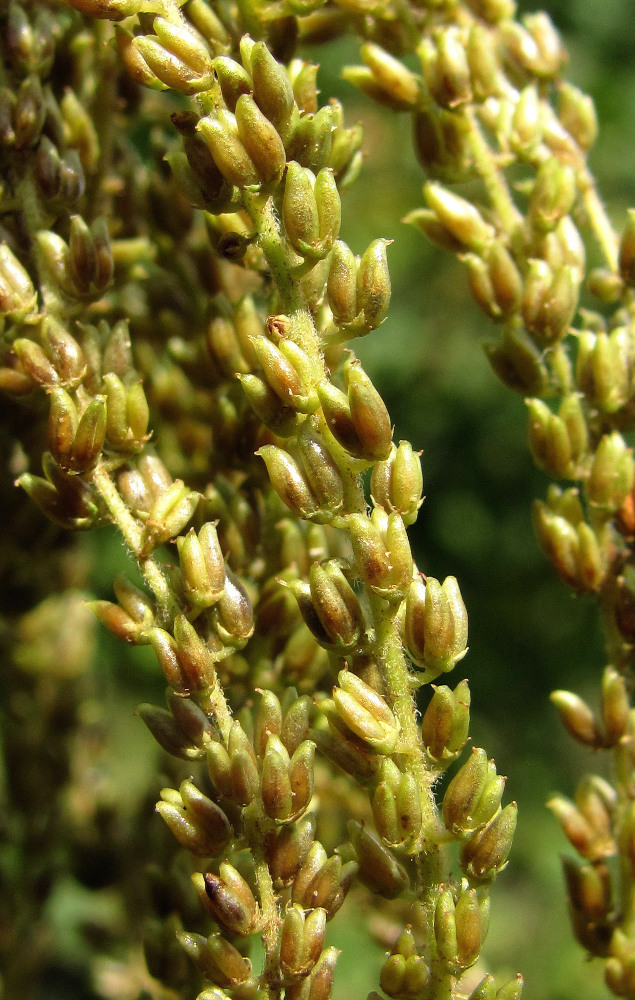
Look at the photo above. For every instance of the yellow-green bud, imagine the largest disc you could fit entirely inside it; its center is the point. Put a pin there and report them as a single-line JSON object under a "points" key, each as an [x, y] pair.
{"points": [[485, 854], [365, 712], [196, 821], [612, 473], [577, 718], [459, 217], [231, 901]]}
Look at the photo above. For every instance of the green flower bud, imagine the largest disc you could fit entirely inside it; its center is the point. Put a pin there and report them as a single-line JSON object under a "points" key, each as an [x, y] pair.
{"points": [[615, 706], [553, 194], [216, 958], [576, 111], [196, 821], [299, 211], [342, 284], [441, 142], [390, 76], [202, 566], [272, 90], [317, 985], [577, 718], [260, 139], [462, 220], [231, 901], [604, 368], [17, 294], [289, 481], [378, 868], [485, 854], [549, 441], [177, 56], [445, 67], [275, 784], [549, 301], [612, 473], [572, 547], [322, 881], [397, 483], [220, 133], [373, 285], [382, 552], [446, 723], [518, 362], [301, 941], [233, 79], [335, 604], [365, 712], [167, 732], [288, 849], [473, 796], [288, 371], [169, 514], [435, 625], [311, 139], [233, 614], [397, 808], [527, 123], [589, 841]]}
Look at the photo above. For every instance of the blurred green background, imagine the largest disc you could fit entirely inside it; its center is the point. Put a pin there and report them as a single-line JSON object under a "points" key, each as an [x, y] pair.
{"points": [[527, 633]]}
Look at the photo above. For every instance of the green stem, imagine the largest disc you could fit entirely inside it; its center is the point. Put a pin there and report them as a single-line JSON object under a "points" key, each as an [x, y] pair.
{"points": [[132, 532], [510, 219], [599, 221]]}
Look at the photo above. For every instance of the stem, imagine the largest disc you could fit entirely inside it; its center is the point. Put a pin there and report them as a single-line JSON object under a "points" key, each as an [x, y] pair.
{"points": [[498, 192], [599, 221], [133, 537]]}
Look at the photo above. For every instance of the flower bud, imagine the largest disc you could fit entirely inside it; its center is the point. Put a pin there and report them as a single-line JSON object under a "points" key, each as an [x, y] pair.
{"points": [[445, 724], [287, 850], [553, 194], [260, 139], [397, 483], [220, 133], [518, 362], [435, 625], [196, 821], [272, 90], [627, 251], [373, 285], [615, 706], [231, 901], [365, 712], [17, 293], [336, 604], [591, 841], [382, 552], [397, 806], [473, 796], [177, 56], [612, 473], [169, 514], [202, 566], [167, 733], [378, 868], [485, 854], [217, 959], [322, 881], [462, 220], [577, 718], [319, 983], [301, 941]]}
